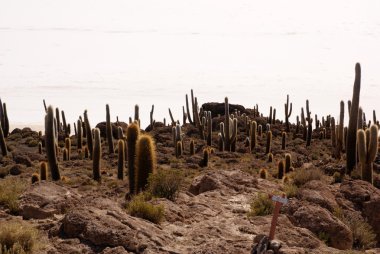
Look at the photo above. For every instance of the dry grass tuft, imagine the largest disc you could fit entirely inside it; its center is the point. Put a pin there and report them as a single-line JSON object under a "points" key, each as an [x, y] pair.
{"points": [[10, 190], [18, 238], [140, 207]]}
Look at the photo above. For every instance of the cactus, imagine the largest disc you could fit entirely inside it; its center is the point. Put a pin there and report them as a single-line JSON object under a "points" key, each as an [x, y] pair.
{"points": [[285, 180], [283, 141], [281, 168], [367, 150], [86, 152], [96, 155], [137, 114], [68, 147], [188, 111], [43, 171], [5, 121], [65, 130], [353, 123], [333, 136], [288, 113], [152, 121], [80, 154], [39, 147], [57, 118], [121, 159], [374, 117], [263, 173], [111, 149], [270, 115], [120, 133], [65, 154], [145, 161], [192, 147], [178, 150], [35, 178], [79, 135], [274, 116], [172, 118], [209, 128], [270, 157], [206, 156], [339, 144], [234, 133], [309, 125], [89, 136], [228, 133], [253, 136], [3, 145], [260, 131], [50, 144], [269, 142], [303, 123], [288, 163], [132, 136]]}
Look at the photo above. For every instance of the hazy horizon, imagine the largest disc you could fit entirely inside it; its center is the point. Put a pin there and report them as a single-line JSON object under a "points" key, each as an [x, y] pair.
{"points": [[81, 55]]}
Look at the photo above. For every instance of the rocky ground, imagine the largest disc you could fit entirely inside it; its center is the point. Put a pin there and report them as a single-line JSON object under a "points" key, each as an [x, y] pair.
{"points": [[210, 212]]}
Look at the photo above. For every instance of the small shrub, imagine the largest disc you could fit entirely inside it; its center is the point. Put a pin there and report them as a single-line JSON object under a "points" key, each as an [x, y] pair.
{"points": [[139, 207], [337, 177], [302, 176], [290, 190], [165, 184], [261, 205], [10, 191], [18, 237], [263, 173]]}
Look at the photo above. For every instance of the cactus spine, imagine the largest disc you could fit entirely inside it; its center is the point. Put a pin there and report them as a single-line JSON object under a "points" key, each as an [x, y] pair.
{"points": [[367, 150], [43, 171], [111, 149], [50, 144], [132, 136], [288, 113], [88, 133], [121, 159], [96, 155], [145, 161], [353, 123]]}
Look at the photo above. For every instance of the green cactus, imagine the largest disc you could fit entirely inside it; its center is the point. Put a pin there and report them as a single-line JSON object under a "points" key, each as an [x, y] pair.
{"points": [[270, 115], [79, 135], [283, 141], [333, 134], [192, 147], [367, 150], [111, 149], [309, 125], [133, 131], [88, 134], [206, 156], [65, 129], [50, 144], [43, 171], [96, 155], [269, 142], [339, 145], [57, 119], [68, 147], [353, 123], [281, 169], [179, 150], [35, 178], [39, 147], [288, 113], [229, 132], [145, 161], [263, 173], [209, 128], [253, 136], [274, 117], [270, 157], [65, 154], [288, 163], [121, 159]]}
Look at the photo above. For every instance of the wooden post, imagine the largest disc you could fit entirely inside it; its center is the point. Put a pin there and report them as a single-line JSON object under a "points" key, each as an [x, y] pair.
{"points": [[279, 201]]}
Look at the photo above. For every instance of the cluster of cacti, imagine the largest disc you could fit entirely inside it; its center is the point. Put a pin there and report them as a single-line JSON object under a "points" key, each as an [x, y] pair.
{"points": [[111, 148], [96, 155], [288, 113], [178, 140], [145, 161], [50, 144], [353, 123], [367, 150], [228, 129], [133, 132]]}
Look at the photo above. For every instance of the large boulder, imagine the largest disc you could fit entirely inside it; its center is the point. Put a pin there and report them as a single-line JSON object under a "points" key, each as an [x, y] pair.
{"points": [[102, 128], [321, 222], [44, 199], [219, 108]]}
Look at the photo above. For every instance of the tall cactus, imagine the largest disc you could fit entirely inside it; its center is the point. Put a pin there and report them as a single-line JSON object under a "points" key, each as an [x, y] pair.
{"points": [[50, 144], [339, 145], [121, 159], [209, 128], [188, 110], [57, 118], [68, 147], [3, 145], [133, 132], [309, 125], [89, 133], [269, 142], [288, 113], [111, 149], [367, 150], [229, 133], [96, 155], [353, 123], [64, 124], [253, 136], [6, 121], [145, 161], [79, 135]]}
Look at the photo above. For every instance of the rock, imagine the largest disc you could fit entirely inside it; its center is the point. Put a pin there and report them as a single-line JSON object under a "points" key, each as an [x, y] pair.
{"points": [[105, 227], [45, 199], [102, 128], [204, 183], [318, 220], [275, 246], [371, 212], [16, 169], [218, 108], [117, 250], [22, 159], [318, 193]]}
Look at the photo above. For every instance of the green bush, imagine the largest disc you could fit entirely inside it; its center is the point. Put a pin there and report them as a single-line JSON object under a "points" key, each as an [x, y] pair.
{"points": [[261, 205], [18, 238], [10, 191], [165, 184], [140, 207], [302, 176], [290, 190]]}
